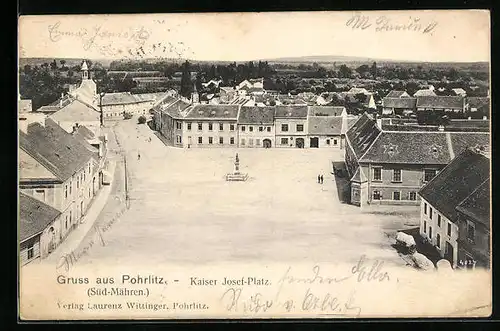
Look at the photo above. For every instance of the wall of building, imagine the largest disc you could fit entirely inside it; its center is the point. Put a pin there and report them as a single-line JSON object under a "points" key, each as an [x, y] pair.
{"points": [[330, 141], [255, 138], [292, 134], [32, 244], [479, 250], [191, 136], [426, 222]]}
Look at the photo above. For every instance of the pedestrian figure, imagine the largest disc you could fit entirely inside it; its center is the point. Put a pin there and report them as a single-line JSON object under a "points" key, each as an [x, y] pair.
{"points": [[138, 156], [321, 179]]}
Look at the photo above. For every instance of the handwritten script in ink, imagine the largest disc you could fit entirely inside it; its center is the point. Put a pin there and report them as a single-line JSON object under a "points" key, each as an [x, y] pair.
{"points": [[324, 300], [386, 24]]}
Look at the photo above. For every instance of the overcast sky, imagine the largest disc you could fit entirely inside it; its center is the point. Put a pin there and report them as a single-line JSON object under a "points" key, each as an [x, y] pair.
{"points": [[422, 35]]}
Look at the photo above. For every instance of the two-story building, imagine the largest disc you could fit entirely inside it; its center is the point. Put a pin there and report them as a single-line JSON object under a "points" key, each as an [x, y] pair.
{"points": [[399, 106], [57, 168], [77, 112], [256, 127], [449, 214], [389, 167], [440, 103], [327, 126], [291, 126]]}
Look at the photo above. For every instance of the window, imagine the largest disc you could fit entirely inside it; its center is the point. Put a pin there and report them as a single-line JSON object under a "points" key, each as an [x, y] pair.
{"points": [[425, 226], [40, 195], [471, 232], [210, 140], [66, 223], [210, 126], [200, 140], [425, 208], [439, 220], [30, 251], [396, 195], [221, 126], [396, 175], [78, 182], [438, 240], [300, 127], [429, 174], [257, 142], [449, 229], [376, 195], [242, 142], [268, 129], [335, 142], [189, 126], [178, 125], [412, 196], [328, 141], [284, 127], [250, 128], [377, 173], [430, 232], [430, 212], [231, 127], [179, 139], [70, 185], [261, 128], [284, 141], [231, 140], [243, 128], [70, 216], [250, 142], [221, 140], [200, 126]]}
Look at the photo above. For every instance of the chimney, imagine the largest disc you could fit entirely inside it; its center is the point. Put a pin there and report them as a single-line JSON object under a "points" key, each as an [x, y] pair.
{"points": [[441, 128]]}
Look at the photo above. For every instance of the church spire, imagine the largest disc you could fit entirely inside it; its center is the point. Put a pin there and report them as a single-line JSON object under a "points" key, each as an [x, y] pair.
{"points": [[85, 70]]}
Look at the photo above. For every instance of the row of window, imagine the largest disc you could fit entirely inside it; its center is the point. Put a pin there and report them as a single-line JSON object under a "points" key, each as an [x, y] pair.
{"points": [[79, 181], [430, 213], [261, 128], [178, 126], [396, 195], [210, 140], [250, 142], [397, 174], [298, 128]]}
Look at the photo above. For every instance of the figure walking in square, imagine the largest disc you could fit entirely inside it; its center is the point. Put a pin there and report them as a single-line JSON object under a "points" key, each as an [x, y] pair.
{"points": [[321, 179]]}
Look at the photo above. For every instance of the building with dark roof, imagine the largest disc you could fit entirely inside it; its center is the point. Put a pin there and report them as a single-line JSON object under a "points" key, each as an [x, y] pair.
{"points": [[397, 94], [39, 228], [291, 126], [455, 206], [398, 106], [396, 164], [444, 103], [256, 127]]}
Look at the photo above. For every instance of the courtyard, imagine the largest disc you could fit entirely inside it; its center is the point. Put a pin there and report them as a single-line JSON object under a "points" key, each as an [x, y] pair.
{"points": [[183, 211]]}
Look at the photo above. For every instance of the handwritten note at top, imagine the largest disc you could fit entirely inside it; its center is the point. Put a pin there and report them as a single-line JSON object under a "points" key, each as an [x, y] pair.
{"points": [[386, 24]]}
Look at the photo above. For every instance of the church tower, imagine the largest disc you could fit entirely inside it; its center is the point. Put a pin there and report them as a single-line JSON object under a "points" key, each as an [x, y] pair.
{"points": [[195, 96], [85, 71]]}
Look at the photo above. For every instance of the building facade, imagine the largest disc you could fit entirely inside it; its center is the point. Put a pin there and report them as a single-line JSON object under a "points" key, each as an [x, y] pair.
{"points": [[291, 126], [256, 127]]}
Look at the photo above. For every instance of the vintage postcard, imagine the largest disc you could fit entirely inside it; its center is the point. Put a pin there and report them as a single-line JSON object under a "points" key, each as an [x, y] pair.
{"points": [[255, 165]]}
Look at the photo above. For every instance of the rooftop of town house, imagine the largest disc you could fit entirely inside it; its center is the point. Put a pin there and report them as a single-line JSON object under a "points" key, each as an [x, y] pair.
{"points": [[405, 103], [478, 102], [256, 115], [451, 102], [325, 125], [57, 150], [172, 106], [76, 111], [359, 176], [204, 111], [457, 181], [291, 111], [477, 204], [397, 94], [34, 216], [424, 92], [326, 111]]}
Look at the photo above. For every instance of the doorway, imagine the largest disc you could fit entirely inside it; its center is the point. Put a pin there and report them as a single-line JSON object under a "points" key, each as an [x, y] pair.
{"points": [[299, 142], [266, 143], [448, 252], [314, 142]]}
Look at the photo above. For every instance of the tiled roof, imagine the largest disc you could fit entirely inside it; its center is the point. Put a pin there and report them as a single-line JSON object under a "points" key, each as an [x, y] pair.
{"points": [[173, 106], [76, 111], [59, 151], [395, 94], [478, 102], [477, 204], [86, 91], [463, 140], [440, 102], [456, 182], [421, 93], [407, 103], [291, 111], [326, 110], [34, 216], [85, 132], [357, 90], [213, 111], [118, 98], [325, 125], [362, 134], [256, 115]]}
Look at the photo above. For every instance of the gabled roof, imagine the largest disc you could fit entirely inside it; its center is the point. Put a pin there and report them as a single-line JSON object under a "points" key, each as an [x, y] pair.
{"points": [[425, 92], [256, 115], [458, 90], [85, 132], [326, 111], [76, 111], [477, 204], [451, 102], [406, 103], [359, 176], [478, 102], [291, 111], [396, 94], [357, 90], [362, 134], [24, 105], [227, 89], [118, 98], [57, 150], [325, 125], [172, 106], [213, 111], [456, 182], [34, 216]]}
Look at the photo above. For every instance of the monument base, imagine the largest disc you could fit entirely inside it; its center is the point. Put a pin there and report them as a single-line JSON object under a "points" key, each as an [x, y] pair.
{"points": [[236, 177]]}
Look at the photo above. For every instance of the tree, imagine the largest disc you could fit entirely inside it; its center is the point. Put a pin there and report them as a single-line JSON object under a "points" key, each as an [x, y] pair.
{"points": [[27, 69], [186, 84], [345, 71], [373, 70], [142, 119], [362, 69], [53, 65]]}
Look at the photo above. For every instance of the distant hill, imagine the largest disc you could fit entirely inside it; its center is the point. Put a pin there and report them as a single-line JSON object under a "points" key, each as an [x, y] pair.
{"points": [[69, 62]]}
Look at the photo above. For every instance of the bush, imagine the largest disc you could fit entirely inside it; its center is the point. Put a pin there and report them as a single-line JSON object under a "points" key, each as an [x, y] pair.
{"points": [[142, 119], [127, 116]]}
